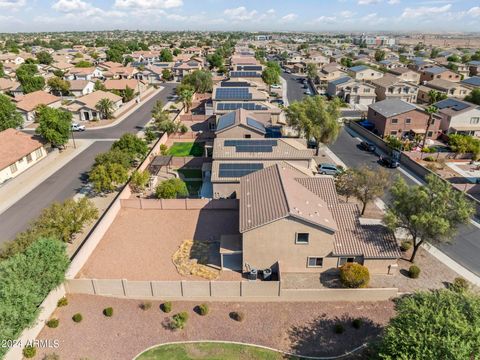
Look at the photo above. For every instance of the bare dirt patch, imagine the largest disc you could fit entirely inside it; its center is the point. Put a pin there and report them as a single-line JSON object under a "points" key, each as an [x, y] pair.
{"points": [[304, 328]]}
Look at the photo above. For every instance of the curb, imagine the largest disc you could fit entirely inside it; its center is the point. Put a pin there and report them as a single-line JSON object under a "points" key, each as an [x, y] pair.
{"points": [[348, 353]]}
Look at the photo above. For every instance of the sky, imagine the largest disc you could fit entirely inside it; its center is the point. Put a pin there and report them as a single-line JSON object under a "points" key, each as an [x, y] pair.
{"points": [[249, 15]]}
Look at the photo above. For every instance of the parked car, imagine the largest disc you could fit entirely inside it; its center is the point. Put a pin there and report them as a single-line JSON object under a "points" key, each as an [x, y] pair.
{"points": [[276, 86], [328, 169], [388, 161], [308, 92], [368, 146], [277, 101], [288, 71], [78, 127]]}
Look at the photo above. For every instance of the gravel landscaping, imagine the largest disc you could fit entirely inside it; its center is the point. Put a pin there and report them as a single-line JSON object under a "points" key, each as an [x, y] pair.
{"points": [[303, 328]]}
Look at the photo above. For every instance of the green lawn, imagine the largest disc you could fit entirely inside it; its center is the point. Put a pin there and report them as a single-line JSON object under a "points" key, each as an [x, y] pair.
{"points": [[191, 173], [186, 149], [211, 351]]}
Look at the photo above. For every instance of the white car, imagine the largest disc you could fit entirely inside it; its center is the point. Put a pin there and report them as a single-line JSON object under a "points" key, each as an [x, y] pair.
{"points": [[275, 86], [78, 127]]}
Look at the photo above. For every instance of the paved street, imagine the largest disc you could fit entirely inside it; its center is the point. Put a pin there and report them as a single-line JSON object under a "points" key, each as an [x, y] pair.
{"points": [[465, 247], [69, 179]]}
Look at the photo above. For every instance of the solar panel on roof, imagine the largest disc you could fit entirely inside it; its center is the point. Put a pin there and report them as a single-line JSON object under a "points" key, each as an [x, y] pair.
{"points": [[255, 124], [235, 84], [246, 106], [249, 68], [237, 170], [226, 121], [247, 142], [452, 104], [231, 93], [245, 74]]}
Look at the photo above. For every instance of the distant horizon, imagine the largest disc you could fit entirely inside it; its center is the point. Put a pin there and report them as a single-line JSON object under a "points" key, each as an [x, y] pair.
{"points": [[396, 16]]}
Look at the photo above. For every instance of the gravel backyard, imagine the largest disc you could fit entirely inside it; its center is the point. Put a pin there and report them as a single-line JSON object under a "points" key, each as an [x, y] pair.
{"points": [[303, 328], [140, 243]]}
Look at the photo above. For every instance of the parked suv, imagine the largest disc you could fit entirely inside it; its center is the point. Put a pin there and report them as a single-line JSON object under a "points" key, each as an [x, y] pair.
{"points": [[388, 161], [78, 127], [328, 169], [368, 146]]}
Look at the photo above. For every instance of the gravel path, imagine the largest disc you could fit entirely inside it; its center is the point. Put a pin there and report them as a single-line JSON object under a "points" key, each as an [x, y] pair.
{"points": [[305, 328]]}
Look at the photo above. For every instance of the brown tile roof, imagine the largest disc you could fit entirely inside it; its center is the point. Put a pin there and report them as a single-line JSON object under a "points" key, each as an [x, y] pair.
{"points": [[353, 239], [92, 99], [8, 84], [121, 84], [30, 101], [286, 149], [273, 193], [78, 84], [322, 186], [15, 145], [82, 71]]}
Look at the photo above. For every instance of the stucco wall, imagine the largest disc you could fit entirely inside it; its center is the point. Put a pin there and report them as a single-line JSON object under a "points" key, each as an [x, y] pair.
{"points": [[264, 246]]}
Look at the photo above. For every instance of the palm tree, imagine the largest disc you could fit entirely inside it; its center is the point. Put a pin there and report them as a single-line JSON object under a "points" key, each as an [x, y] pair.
{"points": [[435, 96], [186, 97], [105, 107], [128, 94], [431, 110]]}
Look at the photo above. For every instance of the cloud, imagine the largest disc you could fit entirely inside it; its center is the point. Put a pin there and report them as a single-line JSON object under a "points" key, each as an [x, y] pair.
{"points": [[75, 8], [289, 17], [148, 4], [347, 14], [12, 4], [424, 11], [474, 11], [368, 2], [325, 19], [393, 2], [67, 6], [240, 13]]}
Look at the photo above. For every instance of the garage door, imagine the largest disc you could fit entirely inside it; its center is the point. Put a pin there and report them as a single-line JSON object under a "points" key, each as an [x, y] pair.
{"points": [[232, 261]]}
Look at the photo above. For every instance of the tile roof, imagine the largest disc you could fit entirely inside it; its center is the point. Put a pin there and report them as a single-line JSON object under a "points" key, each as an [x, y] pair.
{"points": [[341, 80], [30, 101], [474, 81], [322, 186], [392, 107], [76, 85], [273, 193], [359, 68], [14, 145], [237, 117], [435, 70], [286, 149], [121, 84], [370, 241], [92, 99]]}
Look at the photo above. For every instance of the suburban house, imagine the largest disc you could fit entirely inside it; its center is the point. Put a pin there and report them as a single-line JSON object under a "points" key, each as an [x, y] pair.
{"points": [[395, 117], [449, 88], [182, 68], [474, 67], [28, 103], [406, 74], [18, 152], [81, 87], [459, 117], [84, 108], [352, 91], [330, 72], [120, 72], [295, 223], [90, 73], [363, 72], [122, 84], [390, 87], [245, 75], [8, 85], [472, 82], [239, 124], [234, 158], [438, 72]]}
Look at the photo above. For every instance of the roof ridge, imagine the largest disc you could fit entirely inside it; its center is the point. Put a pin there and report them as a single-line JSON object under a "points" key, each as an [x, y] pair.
{"points": [[282, 183]]}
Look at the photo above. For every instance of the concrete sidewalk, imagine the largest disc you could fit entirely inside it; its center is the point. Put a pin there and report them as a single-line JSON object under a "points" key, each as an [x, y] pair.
{"points": [[18, 187]]}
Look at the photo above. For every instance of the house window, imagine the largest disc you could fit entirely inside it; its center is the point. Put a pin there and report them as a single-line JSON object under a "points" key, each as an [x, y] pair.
{"points": [[394, 121], [314, 261], [13, 168], [247, 136], [29, 158], [38, 153], [430, 134], [344, 260], [475, 120], [302, 238], [408, 121], [367, 90], [393, 133]]}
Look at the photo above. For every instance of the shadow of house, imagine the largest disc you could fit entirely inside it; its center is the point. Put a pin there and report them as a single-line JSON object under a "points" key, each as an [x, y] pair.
{"points": [[319, 336]]}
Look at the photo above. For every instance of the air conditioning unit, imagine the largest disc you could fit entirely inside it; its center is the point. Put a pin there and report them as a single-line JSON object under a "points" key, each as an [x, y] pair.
{"points": [[253, 274], [267, 274]]}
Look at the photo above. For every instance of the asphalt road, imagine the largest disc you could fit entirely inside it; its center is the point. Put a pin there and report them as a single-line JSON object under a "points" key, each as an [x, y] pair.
{"points": [[464, 248], [67, 181]]}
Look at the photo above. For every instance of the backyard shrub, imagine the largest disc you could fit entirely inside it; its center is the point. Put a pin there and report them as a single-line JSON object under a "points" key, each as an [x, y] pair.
{"points": [[338, 328], [203, 309], [179, 321], [428, 150], [53, 323], [52, 356], [354, 275], [108, 312], [77, 317], [150, 135], [163, 149], [405, 245], [166, 307], [62, 302], [356, 323], [139, 180], [145, 305], [171, 189], [29, 351], [460, 285], [237, 316], [429, 158], [414, 271]]}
